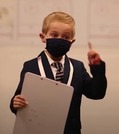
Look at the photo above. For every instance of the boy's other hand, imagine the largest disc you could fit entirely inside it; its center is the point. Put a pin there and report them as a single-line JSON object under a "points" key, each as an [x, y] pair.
{"points": [[93, 56]]}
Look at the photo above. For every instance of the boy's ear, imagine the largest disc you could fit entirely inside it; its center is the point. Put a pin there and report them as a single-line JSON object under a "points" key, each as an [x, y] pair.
{"points": [[42, 36]]}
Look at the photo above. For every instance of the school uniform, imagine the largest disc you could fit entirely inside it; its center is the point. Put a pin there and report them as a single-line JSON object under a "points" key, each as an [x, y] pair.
{"points": [[75, 75]]}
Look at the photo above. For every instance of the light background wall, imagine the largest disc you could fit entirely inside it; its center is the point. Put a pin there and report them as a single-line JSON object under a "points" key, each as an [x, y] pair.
{"points": [[96, 21]]}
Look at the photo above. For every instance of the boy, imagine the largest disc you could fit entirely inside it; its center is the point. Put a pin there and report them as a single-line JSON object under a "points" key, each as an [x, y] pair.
{"points": [[58, 32]]}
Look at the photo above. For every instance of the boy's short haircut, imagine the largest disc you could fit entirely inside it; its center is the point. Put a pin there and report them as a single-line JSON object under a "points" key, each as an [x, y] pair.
{"points": [[58, 16]]}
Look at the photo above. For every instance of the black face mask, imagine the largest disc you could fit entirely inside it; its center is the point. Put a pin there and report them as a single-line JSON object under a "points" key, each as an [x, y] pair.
{"points": [[57, 47]]}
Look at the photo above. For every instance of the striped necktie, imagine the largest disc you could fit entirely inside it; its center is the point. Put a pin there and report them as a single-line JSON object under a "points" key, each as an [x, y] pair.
{"points": [[59, 73]]}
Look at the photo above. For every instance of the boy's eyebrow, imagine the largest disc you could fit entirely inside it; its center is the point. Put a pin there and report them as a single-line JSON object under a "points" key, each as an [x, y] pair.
{"points": [[68, 33], [54, 31]]}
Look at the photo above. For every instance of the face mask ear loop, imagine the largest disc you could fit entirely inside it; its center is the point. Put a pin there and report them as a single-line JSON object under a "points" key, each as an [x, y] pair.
{"points": [[72, 41]]}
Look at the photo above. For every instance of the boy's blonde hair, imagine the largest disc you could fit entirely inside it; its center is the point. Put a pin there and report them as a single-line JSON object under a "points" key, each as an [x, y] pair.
{"points": [[58, 16]]}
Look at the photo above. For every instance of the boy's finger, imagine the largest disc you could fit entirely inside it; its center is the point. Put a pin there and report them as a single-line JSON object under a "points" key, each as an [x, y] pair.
{"points": [[89, 45]]}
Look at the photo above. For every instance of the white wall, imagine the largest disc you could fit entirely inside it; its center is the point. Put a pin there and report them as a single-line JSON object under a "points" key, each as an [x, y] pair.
{"points": [[18, 44]]}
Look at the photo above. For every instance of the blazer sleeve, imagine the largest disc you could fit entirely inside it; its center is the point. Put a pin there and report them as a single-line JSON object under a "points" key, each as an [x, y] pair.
{"points": [[95, 87], [18, 90]]}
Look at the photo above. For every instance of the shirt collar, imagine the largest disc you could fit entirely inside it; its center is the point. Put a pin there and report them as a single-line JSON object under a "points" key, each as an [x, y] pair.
{"points": [[51, 61]]}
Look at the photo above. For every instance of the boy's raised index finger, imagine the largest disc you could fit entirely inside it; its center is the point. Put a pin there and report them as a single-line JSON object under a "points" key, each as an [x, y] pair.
{"points": [[89, 45]]}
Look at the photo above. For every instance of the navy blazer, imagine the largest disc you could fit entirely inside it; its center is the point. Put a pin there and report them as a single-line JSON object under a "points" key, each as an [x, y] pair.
{"points": [[92, 87]]}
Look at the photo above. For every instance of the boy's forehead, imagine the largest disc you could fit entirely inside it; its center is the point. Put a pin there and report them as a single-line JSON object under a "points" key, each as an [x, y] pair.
{"points": [[60, 26]]}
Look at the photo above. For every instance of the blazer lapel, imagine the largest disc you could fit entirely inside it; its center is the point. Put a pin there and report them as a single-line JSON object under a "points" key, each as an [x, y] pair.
{"points": [[66, 70], [46, 66]]}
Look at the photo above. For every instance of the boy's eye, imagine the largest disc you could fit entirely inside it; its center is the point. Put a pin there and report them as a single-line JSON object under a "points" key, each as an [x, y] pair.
{"points": [[54, 35], [66, 37]]}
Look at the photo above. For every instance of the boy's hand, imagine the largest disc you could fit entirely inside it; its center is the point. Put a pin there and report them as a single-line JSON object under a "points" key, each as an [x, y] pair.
{"points": [[19, 101], [93, 57]]}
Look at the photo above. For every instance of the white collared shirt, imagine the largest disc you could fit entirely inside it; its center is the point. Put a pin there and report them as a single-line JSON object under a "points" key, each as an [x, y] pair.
{"points": [[54, 70]]}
